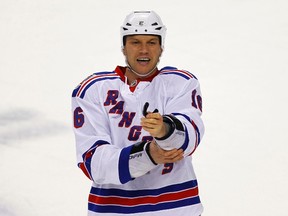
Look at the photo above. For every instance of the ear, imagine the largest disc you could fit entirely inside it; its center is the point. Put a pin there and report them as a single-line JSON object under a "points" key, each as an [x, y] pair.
{"points": [[161, 53], [123, 51]]}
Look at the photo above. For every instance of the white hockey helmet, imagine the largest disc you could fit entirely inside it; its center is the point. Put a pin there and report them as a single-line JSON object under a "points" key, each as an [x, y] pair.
{"points": [[143, 22]]}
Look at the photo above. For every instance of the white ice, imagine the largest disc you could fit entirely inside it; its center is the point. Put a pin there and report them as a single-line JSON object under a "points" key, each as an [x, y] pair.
{"points": [[238, 49]]}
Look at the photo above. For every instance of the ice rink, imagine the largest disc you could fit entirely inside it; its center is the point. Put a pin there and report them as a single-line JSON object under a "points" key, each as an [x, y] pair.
{"points": [[238, 49]]}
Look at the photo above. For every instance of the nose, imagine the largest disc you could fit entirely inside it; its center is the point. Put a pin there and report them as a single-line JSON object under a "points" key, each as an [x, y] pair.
{"points": [[144, 48]]}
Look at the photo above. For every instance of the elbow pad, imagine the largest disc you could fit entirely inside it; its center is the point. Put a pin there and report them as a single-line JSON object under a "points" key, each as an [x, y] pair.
{"points": [[140, 160], [175, 136]]}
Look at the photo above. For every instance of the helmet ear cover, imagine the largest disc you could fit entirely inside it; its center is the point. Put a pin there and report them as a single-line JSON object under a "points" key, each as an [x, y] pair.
{"points": [[125, 38]]}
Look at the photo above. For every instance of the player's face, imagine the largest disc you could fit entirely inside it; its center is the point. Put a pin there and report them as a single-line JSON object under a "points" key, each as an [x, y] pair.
{"points": [[142, 52]]}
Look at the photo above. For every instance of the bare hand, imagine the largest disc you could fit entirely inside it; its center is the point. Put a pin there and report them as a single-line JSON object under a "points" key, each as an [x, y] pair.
{"points": [[153, 123], [161, 156]]}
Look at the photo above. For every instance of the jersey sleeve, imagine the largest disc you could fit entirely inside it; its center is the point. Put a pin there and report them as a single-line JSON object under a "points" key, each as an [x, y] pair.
{"points": [[184, 110], [101, 160]]}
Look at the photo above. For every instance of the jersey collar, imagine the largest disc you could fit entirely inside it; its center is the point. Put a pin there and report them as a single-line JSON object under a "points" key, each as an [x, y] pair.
{"points": [[120, 70]]}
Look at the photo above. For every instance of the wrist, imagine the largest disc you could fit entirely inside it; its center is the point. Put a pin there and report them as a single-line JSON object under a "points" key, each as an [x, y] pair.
{"points": [[175, 137], [164, 131], [168, 130], [147, 148]]}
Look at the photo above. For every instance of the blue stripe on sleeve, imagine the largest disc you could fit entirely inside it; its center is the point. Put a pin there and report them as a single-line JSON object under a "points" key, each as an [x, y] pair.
{"points": [[123, 166]]}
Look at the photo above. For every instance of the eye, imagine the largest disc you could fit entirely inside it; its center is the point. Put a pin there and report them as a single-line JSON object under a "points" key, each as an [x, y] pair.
{"points": [[153, 42], [135, 42]]}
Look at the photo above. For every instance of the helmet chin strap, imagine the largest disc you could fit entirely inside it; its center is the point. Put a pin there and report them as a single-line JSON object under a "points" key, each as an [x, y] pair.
{"points": [[138, 74]]}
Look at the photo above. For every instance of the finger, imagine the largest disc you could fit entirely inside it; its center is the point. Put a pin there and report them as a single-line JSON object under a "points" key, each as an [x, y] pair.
{"points": [[173, 152], [175, 155], [153, 124], [156, 115], [178, 158], [175, 159], [148, 126], [150, 120]]}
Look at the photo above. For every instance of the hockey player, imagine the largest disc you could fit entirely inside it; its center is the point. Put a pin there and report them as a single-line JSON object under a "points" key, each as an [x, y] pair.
{"points": [[137, 127]]}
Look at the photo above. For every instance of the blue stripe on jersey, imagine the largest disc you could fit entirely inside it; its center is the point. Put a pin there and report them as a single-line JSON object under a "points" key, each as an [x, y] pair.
{"points": [[75, 91], [195, 126], [176, 73], [140, 193], [198, 132], [103, 73], [172, 70], [127, 195], [87, 157], [123, 165], [186, 142], [90, 80], [168, 68], [143, 208], [94, 81]]}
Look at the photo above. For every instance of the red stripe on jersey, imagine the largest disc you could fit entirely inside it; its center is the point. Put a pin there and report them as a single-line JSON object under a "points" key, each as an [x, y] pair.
{"points": [[178, 71], [113, 200], [196, 137], [84, 84], [85, 170]]}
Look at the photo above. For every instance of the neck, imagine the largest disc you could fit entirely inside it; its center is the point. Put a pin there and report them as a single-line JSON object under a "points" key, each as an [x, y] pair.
{"points": [[139, 75], [132, 77]]}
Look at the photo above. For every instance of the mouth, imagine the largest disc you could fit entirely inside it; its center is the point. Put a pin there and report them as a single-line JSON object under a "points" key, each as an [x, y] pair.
{"points": [[143, 60]]}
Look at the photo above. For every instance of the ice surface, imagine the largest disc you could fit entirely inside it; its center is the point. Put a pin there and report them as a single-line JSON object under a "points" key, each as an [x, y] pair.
{"points": [[238, 50]]}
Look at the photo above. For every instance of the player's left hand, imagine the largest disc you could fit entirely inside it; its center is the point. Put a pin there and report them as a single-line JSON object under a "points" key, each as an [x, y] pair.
{"points": [[153, 123], [161, 156]]}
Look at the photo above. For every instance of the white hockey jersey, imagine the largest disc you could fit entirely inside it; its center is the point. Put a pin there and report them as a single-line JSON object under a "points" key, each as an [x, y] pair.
{"points": [[107, 113]]}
